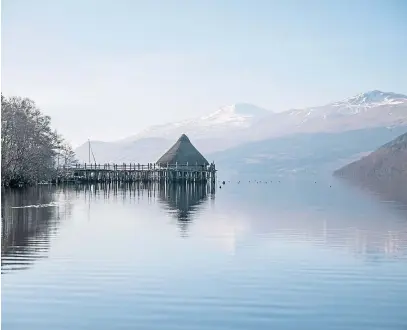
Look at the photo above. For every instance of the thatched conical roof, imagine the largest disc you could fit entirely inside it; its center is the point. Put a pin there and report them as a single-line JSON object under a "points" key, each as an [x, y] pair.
{"points": [[182, 152]]}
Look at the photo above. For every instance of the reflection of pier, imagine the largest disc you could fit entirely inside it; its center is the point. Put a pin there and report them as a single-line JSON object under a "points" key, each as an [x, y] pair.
{"points": [[180, 200], [28, 217]]}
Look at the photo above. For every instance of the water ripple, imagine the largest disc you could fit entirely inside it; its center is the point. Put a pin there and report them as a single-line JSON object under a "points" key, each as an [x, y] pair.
{"points": [[173, 260]]}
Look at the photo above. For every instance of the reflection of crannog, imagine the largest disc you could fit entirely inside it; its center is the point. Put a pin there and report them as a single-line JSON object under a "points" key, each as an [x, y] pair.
{"points": [[183, 200], [28, 218], [179, 199]]}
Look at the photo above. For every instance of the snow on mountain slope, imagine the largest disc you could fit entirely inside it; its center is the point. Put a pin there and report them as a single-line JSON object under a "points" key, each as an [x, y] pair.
{"points": [[370, 109], [357, 104], [371, 99], [240, 115], [245, 121], [217, 124], [229, 126]]}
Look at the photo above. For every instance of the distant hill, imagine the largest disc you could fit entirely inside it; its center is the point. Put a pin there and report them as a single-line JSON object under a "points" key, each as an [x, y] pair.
{"points": [[383, 171], [390, 160], [305, 153]]}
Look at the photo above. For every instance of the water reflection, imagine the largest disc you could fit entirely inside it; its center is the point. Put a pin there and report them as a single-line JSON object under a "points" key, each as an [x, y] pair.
{"points": [[180, 200], [389, 190], [332, 216], [265, 257], [184, 200], [277, 214], [29, 218], [386, 189]]}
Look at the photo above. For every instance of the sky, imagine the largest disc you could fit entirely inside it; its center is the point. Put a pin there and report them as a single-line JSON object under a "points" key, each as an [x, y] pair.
{"points": [[105, 70]]}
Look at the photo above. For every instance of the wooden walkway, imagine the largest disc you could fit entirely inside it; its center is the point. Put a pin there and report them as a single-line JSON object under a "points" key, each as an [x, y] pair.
{"points": [[136, 172]]}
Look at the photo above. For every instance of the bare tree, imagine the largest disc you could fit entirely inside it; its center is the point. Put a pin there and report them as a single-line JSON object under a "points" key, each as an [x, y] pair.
{"points": [[28, 143], [66, 155]]}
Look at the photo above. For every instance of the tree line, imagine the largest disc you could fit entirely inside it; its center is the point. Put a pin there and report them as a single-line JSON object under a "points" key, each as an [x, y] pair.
{"points": [[30, 149]]}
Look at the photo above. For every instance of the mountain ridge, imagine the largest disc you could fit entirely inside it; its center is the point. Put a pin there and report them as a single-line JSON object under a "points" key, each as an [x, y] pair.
{"points": [[372, 106], [231, 126], [235, 116]]}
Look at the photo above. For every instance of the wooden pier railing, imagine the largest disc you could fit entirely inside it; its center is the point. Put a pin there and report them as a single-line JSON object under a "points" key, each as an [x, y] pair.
{"points": [[136, 172], [136, 167]]}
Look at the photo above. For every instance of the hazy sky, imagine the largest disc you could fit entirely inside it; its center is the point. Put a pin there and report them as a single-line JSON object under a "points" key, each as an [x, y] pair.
{"points": [[107, 69]]}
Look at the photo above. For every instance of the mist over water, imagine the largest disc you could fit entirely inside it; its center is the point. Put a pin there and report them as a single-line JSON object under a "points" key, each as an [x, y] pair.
{"points": [[269, 253]]}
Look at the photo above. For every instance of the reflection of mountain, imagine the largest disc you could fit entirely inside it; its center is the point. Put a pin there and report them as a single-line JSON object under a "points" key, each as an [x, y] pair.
{"points": [[334, 217], [183, 200], [29, 218]]}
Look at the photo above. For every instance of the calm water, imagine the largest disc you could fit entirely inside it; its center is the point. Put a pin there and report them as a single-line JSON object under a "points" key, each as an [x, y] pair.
{"points": [[293, 254]]}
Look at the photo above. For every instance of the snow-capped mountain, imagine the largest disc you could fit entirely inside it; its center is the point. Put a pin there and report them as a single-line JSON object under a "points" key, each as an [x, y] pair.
{"points": [[354, 105], [238, 115], [224, 120], [230, 126], [370, 109], [371, 99], [246, 121]]}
